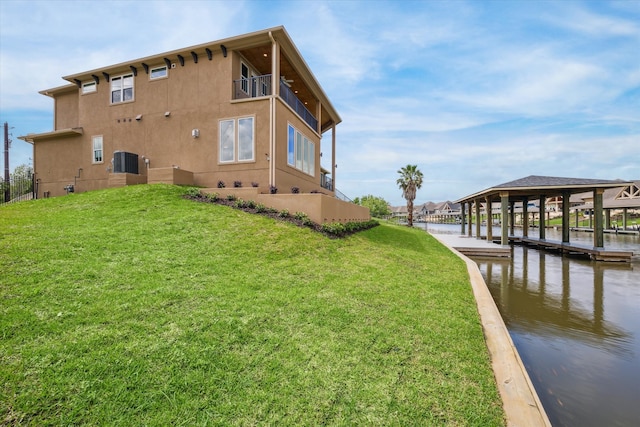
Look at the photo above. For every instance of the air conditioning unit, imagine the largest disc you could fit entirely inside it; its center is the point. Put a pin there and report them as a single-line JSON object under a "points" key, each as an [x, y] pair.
{"points": [[124, 162]]}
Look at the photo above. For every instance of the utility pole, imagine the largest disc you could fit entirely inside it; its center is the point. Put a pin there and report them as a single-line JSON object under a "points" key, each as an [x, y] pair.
{"points": [[7, 176]]}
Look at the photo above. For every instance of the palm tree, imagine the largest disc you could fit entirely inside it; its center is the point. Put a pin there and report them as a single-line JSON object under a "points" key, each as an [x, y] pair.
{"points": [[409, 182]]}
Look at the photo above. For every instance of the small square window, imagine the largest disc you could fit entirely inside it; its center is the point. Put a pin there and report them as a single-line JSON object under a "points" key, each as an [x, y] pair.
{"points": [[158, 72], [89, 87]]}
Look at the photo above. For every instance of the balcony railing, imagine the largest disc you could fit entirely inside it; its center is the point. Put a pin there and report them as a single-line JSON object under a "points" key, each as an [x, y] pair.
{"points": [[298, 106], [254, 87], [326, 182]]}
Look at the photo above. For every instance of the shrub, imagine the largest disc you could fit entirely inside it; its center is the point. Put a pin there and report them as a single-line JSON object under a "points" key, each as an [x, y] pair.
{"points": [[193, 192], [273, 189], [213, 197], [303, 218], [295, 190], [237, 184], [260, 208], [231, 197], [240, 204], [254, 184], [251, 204], [283, 213], [221, 184], [333, 228]]}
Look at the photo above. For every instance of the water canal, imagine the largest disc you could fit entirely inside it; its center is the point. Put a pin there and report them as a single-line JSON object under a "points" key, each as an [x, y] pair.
{"points": [[576, 325]]}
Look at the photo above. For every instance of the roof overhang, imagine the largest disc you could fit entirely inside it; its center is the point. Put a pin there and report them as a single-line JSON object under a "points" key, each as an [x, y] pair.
{"points": [[61, 133], [538, 186], [207, 51]]}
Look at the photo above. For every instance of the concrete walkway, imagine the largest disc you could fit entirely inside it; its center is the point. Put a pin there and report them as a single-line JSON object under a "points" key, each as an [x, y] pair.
{"points": [[520, 400]]}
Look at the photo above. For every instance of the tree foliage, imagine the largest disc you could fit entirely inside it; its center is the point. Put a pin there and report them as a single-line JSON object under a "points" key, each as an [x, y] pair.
{"points": [[378, 206], [410, 182]]}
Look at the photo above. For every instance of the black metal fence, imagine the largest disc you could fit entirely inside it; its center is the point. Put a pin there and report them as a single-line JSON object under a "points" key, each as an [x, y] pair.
{"points": [[17, 189]]}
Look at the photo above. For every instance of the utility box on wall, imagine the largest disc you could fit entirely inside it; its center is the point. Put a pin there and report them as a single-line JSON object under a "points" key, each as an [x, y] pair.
{"points": [[124, 162]]}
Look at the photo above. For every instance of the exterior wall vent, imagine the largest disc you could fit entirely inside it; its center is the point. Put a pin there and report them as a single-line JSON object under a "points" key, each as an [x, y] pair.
{"points": [[124, 162]]}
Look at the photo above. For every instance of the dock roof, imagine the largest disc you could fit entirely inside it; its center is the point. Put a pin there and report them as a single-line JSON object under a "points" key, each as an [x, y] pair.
{"points": [[536, 186]]}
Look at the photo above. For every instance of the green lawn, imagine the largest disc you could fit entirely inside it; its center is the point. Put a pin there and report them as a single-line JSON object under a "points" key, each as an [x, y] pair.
{"points": [[134, 306]]}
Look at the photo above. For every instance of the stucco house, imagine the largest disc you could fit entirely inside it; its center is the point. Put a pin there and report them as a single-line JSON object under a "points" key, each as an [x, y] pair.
{"points": [[245, 110]]}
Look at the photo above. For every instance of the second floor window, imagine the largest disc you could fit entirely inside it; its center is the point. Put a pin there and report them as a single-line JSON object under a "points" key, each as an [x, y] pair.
{"points": [[159, 72], [122, 88], [89, 87]]}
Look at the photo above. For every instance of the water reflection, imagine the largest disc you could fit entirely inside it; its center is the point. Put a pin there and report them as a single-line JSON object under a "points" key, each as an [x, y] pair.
{"points": [[576, 325]]}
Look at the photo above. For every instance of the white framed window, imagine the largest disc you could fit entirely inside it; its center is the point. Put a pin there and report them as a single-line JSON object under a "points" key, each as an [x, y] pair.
{"points": [[122, 89], [96, 142], [89, 87], [301, 152], [159, 72], [237, 140]]}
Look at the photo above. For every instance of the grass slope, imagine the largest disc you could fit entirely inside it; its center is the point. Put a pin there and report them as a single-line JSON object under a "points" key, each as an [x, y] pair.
{"points": [[135, 306]]}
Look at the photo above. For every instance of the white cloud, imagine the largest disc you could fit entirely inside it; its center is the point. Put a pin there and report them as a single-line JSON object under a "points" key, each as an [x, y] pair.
{"points": [[474, 93]]}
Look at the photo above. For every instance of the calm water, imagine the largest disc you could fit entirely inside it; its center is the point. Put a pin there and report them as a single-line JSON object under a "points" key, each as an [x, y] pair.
{"points": [[576, 325]]}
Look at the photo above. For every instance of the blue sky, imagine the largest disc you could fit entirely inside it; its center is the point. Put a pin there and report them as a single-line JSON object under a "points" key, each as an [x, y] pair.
{"points": [[475, 93]]}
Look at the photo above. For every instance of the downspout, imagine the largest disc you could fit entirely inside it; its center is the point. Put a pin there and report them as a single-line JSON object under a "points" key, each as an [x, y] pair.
{"points": [[272, 113]]}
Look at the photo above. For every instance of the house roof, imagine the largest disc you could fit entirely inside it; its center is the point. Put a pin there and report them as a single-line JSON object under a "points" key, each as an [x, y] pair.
{"points": [[627, 196], [532, 186], [294, 63]]}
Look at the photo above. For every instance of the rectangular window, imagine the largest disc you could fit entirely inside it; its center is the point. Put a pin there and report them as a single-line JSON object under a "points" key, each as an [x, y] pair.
{"points": [[301, 152], [89, 87], [122, 89], [227, 138], [237, 136], [291, 150], [245, 139], [159, 72], [97, 149]]}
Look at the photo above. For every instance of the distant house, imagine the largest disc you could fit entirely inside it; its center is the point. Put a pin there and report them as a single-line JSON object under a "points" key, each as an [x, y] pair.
{"points": [[244, 111], [399, 213]]}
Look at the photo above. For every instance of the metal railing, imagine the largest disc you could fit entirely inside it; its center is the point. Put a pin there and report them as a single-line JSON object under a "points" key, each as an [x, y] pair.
{"points": [[340, 195], [252, 87], [326, 182], [298, 106], [17, 189]]}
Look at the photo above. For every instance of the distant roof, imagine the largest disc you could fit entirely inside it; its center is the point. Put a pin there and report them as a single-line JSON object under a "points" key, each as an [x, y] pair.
{"points": [[536, 186], [626, 196]]}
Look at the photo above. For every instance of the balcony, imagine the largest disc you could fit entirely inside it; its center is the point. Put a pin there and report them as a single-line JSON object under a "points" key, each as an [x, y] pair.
{"points": [[252, 87], [258, 86], [292, 100]]}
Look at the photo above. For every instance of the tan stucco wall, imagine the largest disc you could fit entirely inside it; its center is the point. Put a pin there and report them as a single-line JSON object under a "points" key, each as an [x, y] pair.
{"points": [[66, 110], [288, 176], [169, 176], [319, 207], [193, 96]]}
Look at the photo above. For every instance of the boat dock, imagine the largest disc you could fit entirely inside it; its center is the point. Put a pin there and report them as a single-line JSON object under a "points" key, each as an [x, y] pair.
{"points": [[597, 254], [472, 247]]}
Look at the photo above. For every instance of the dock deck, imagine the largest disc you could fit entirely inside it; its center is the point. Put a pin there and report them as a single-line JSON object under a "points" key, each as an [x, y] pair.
{"points": [[597, 254], [470, 246]]}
